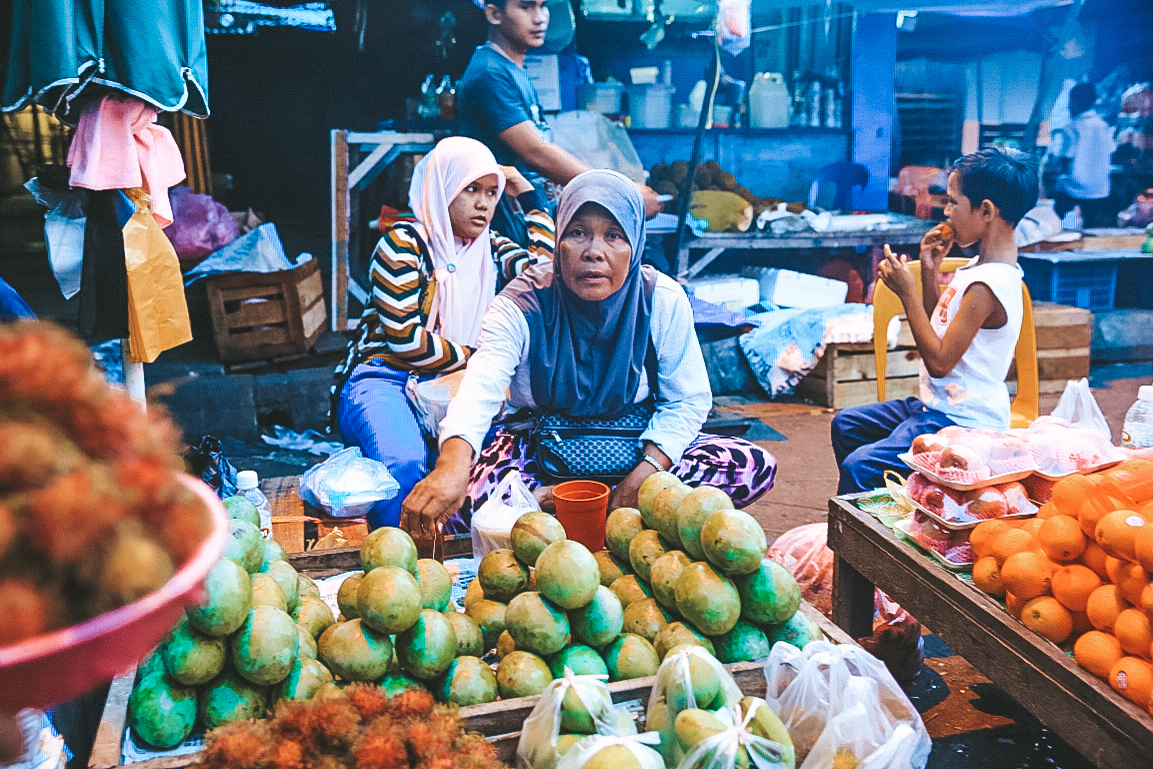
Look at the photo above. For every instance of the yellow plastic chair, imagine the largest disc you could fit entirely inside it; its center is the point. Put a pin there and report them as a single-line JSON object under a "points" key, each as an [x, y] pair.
{"points": [[887, 306]]}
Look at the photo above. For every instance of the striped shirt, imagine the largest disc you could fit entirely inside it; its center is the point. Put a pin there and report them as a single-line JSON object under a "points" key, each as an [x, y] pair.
{"points": [[393, 326]]}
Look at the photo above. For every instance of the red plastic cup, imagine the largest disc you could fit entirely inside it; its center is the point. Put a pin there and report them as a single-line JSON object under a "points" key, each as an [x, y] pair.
{"points": [[581, 507]]}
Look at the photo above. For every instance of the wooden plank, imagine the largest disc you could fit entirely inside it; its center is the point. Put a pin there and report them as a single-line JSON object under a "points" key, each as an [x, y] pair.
{"points": [[110, 732], [846, 394], [1094, 719], [855, 367], [1064, 336], [339, 226], [257, 311]]}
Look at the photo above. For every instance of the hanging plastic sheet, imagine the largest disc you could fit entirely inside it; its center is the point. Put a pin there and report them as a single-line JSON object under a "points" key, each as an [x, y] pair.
{"points": [[63, 232], [152, 50]]}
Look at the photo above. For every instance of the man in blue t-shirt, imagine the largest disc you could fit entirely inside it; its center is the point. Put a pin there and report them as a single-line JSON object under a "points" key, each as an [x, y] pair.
{"points": [[498, 105]]}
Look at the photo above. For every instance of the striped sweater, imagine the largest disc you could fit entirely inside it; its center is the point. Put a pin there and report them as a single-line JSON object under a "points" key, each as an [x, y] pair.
{"points": [[393, 326]]}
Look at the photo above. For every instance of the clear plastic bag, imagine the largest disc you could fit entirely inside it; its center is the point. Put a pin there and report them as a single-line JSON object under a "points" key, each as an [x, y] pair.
{"points": [[638, 744], [347, 484], [734, 26], [429, 399], [720, 750], [805, 553], [492, 523], [673, 692], [824, 691], [863, 735], [1079, 408], [963, 459], [537, 746]]}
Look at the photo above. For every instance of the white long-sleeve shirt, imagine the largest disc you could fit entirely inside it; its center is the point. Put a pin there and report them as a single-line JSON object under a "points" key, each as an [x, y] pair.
{"points": [[500, 365], [1088, 140]]}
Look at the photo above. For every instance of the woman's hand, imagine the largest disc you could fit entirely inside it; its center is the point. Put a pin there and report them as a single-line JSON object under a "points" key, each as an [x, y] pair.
{"points": [[624, 494], [894, 270], [544, 498], [514, 182], [436, 498], [935, 245]]}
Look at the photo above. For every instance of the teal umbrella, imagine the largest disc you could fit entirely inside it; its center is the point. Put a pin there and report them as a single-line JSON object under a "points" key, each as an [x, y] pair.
{"points": [[151, 49]]}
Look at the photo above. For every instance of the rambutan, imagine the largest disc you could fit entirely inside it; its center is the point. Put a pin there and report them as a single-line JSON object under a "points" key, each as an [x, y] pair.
{"points": [[381, 751], [25, 611], [243, 745], [369, 701], [411, 704], [34, 455], [333, 725], [286, 754], [8, 530], [71, 516]]}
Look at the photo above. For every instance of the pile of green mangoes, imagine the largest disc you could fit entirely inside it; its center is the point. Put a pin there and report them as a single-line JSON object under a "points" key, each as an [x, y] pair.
{"points": [[252, 641], [699, 574]]}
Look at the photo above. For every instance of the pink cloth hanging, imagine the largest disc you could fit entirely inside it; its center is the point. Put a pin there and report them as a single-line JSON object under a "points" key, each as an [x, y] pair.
{"points": [[118, 146]]}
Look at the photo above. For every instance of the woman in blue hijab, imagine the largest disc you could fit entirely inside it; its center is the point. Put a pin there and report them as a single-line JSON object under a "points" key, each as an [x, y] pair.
{"points": [[592, 334]]}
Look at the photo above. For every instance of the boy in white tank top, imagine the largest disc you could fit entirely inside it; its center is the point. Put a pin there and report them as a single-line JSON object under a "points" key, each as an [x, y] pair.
{"points": [[966, 334]]}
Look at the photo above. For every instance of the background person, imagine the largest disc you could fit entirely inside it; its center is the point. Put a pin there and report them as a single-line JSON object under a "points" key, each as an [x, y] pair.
{"points": [[498, 105], [573, 336], [431, 284], [1087, 144]]}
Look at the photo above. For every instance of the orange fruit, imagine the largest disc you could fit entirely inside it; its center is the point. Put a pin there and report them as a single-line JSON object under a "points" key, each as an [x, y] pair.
{"points": [[1011, 542], [1143, 546], [1094, 557], [1095, 508], [1046, 616], [1146, 604], [1081, 623], [1132, 479], [1131, 580], [1097, 652], [1133, 678], [1134, 631], [1027, 575], [987, 576], [1033, 525], [1071, 492], [1048, 510], [1072, 586], [981, 537], [1116, 533], [1103, 606], [1061, 538], [1014, 605]]}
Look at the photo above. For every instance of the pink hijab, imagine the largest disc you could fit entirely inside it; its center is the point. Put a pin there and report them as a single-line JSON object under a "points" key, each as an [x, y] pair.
{"points": [[465, 272]]}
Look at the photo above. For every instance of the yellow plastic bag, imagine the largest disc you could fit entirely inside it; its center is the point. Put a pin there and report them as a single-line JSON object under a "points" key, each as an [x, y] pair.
{"points": [[157, 310]]}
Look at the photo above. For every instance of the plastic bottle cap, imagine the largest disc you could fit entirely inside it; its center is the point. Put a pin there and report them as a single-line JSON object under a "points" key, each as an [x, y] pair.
{"points": [[1145, 393], [247, 479]]}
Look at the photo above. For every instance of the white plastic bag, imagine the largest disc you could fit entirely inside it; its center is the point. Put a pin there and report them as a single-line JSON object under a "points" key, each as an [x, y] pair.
{"points": [[347, 484], [1079, 408], [638, 744], [781, 669], [734, 25], [673, 692], [720, 750], [817, 708], [863, 731], [492, 523], [429, 399], [537, 746]]}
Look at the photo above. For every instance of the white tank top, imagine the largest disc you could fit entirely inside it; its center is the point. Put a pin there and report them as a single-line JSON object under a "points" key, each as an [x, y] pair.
{"points": [[973, 394]]}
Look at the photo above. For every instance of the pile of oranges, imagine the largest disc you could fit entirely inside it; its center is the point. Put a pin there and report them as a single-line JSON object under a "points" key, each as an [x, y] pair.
{"points": [[1081, 570]]}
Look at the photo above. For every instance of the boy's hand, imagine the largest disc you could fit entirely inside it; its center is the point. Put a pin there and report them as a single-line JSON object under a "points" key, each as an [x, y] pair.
{"points": [[894, 270], [935, 245]]}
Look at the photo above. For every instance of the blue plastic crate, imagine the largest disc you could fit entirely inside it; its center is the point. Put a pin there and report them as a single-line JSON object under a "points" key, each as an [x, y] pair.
{"points": [[1088, 285]]}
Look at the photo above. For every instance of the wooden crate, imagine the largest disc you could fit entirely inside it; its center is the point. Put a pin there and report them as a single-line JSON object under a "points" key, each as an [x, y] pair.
{"points": [[1064, 341], [847, 373], [257, 315], [499, 721]]}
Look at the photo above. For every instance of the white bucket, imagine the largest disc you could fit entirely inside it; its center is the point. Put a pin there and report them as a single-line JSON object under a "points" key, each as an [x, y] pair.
{"points": [[650, 106]]}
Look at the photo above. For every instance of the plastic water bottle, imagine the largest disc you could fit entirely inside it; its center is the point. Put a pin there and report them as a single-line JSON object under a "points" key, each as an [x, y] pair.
{"points": [[1138, 430], [248, 486]]}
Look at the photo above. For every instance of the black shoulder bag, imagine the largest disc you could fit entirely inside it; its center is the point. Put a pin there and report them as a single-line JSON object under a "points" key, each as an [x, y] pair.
{"points": [[573, 448]]}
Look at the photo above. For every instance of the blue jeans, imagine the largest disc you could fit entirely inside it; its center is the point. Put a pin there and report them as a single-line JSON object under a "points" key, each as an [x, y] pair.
{"points": [[867, 440], [373, 413]]}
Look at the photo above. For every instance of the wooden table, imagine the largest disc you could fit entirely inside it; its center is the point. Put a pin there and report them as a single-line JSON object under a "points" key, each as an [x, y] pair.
{"points": [[716, 244], [1104, 727]]}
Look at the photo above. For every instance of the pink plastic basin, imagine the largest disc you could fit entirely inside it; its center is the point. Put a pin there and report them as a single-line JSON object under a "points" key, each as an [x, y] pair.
{"points": [[66, 663]]}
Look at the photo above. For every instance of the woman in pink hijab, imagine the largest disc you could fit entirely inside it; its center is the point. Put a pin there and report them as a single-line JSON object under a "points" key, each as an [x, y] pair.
{"points": [[431, 283]]}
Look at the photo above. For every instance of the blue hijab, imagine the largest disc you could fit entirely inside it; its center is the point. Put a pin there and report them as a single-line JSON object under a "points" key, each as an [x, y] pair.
{"points": [[587, 359]]}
